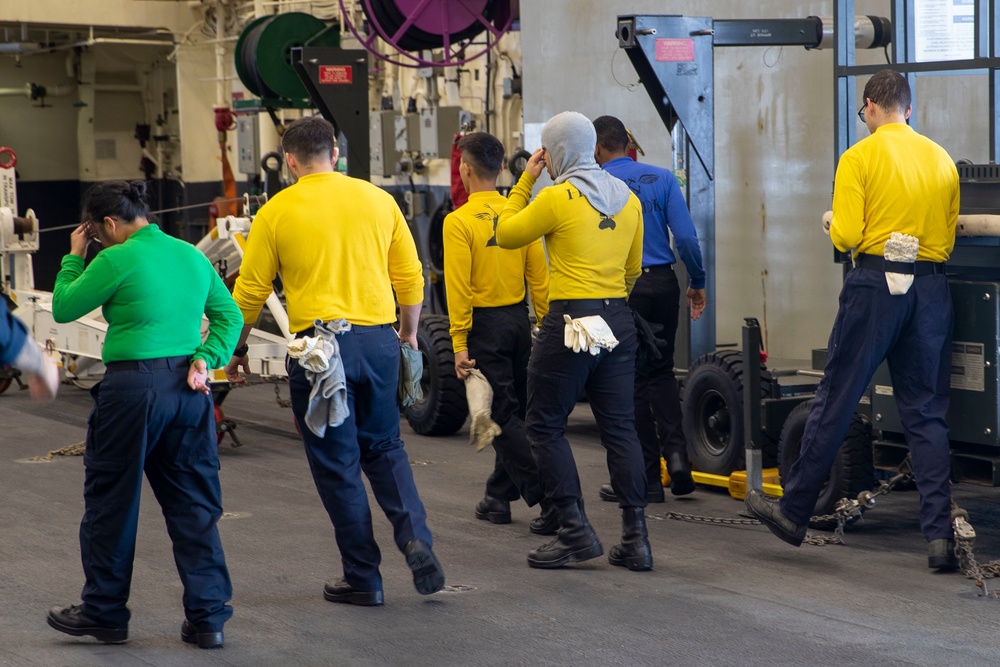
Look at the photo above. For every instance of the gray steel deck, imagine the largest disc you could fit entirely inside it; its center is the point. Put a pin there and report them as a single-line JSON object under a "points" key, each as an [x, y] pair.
{"points": [[719, 595]]}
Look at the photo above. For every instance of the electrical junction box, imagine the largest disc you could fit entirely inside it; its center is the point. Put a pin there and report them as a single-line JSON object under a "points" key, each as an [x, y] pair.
{"points": [[384, 154], [247, 144], [438, 127]]}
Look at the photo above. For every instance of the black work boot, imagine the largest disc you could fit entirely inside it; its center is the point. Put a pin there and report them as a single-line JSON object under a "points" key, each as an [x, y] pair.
{"points": [[634, 552], [73, 621], [654, 493], [547, 523], [941, 555], [679, 468], [575, 541], [494, 510]]}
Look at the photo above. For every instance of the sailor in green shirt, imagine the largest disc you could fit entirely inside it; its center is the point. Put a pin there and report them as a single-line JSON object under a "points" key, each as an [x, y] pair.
{"points": [[152, 411]]}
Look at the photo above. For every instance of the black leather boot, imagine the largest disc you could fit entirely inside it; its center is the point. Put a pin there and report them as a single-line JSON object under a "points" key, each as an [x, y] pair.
{"points": [[634, 552], [548, 522], [681, 482], [575, 541]]}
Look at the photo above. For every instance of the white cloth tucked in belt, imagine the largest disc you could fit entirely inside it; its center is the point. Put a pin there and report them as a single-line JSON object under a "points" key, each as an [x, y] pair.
{"points": [[320, 357], [900, 248], [479, 396], [590, 333]]}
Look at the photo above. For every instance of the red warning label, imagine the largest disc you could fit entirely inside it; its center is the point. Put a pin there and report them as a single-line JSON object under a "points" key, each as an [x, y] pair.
{"points": [[675, 50], [335, 74]]}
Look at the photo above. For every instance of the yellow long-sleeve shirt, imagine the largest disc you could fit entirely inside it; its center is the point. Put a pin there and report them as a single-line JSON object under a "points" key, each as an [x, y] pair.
{"points": [[590, 256], [341, 246], [895, 181], [478, 273]]}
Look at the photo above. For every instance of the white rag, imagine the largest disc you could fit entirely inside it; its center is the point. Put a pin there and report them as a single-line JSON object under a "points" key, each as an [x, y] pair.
{"points": [[900, 248], [589, 333], [320, 357], [479, 396]]}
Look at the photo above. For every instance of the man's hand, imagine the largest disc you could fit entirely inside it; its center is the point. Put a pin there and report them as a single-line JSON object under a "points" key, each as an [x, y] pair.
{"points": [[80, 239], [536, 163], [198, 377], [233, 368], [463, 364], [43, 386], [696, 301]]}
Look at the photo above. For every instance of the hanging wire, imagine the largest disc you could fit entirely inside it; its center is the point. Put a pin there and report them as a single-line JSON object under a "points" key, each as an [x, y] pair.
{"points": [[627, 86], [162, 210]]}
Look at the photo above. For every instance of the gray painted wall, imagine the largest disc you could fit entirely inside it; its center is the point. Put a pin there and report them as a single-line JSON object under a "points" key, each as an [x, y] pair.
{"points": [[774, 145]]}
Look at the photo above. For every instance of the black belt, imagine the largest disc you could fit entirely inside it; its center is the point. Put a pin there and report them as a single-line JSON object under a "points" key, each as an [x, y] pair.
{"points": [[148, 364], [564, 305], [657, 267], [879, 263], [355, 328]]}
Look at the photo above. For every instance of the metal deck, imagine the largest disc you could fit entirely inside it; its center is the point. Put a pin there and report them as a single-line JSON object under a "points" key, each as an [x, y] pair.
{"points": [[718, 595]]}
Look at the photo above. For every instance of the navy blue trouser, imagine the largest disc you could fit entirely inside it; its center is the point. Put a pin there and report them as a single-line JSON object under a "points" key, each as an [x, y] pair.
{"points": [[656, 297], [912, 331], [146, 418], [556, 376], [367, 441], [500, 342]]}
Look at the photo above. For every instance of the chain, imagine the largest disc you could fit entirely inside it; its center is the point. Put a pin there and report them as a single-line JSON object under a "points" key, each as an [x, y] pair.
{"points": [[691, 518], [846, 511], [282, 402], [965, 540]]}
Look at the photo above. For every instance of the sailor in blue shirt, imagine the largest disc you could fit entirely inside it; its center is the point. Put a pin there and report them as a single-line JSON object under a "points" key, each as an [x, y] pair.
{"points": [[656, 297]]}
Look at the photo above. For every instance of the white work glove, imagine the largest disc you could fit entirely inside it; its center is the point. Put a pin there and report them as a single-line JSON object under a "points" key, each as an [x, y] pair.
{"points": [[312, 352], [900, 248], [827, 220], [590, 333], [479, 396]]}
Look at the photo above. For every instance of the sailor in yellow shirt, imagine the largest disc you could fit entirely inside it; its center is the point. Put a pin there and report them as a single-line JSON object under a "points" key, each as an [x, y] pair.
{"points": [[342, 248], [892, 181], [592, 225], [490, 329]]}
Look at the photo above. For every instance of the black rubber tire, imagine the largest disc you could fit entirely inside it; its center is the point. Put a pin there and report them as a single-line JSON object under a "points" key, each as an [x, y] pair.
{"points": [[443, 409], [853, 470], [712, 410]]}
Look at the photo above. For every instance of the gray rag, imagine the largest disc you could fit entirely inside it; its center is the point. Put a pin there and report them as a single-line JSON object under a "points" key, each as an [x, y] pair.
{"points": [[570, 139], [325, 372]]}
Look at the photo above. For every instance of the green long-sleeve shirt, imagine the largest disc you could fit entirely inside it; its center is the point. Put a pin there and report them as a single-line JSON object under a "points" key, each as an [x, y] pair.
{"points": [[152, 290]]}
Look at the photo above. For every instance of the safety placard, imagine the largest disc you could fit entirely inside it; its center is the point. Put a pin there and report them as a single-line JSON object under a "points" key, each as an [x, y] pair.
{"points": [[968, 366], [674, 50], [336, 74]]}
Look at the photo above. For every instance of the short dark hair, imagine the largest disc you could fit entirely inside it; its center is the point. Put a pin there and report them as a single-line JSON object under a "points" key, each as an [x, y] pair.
{"points": [[125, 200], [611, 134], [309, 139], [484, 152], [890, 90]]}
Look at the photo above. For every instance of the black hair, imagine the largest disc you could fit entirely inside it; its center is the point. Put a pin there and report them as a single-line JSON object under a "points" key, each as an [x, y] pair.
{"points": [[890, 90], [611, 134], [309, 139], [124, 200], [484, 152]]}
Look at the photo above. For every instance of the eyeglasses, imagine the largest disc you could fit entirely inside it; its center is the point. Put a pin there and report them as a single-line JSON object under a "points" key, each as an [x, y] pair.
{"points": [[861, 111]]}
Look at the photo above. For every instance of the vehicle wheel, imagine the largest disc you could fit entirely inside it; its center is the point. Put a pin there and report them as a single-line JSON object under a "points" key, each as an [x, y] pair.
{"points": [[712, 411], [852, 471], [443, 409]]}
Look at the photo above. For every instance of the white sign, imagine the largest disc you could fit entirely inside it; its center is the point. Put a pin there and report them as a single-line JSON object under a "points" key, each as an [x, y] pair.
{"points": [[945, 29]]}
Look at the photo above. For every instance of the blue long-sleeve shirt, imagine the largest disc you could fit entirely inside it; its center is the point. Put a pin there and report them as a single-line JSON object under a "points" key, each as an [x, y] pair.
{"points": [[13, 335], [664, 212]]}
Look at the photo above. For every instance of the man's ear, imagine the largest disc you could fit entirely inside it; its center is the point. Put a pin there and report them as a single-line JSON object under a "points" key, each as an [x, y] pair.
{"points": [[909, 110], [336, 155]]}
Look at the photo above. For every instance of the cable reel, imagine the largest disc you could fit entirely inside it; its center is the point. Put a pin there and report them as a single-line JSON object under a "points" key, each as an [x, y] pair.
{"points": [[263, 53], [420, 25]]}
